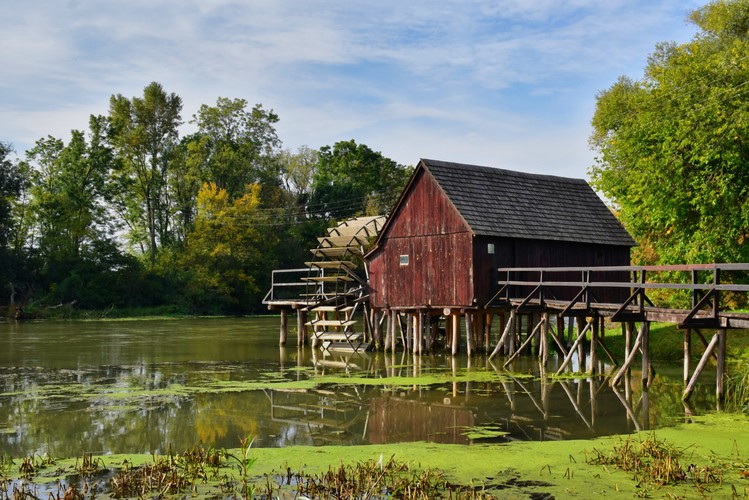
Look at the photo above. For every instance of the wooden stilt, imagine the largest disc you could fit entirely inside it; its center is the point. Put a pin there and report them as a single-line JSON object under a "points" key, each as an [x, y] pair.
{"points": [[508, 331], [525, 344], [630, 357], [544, 339], [456, 333], [594, 344], [377, 329], [284, 327], [721, 367], [301, 327], [403, 331], [580, 346], [574, 347], [488, 331], [700, 366], [395, 323], [469, 334], [645, 349], [687, 354]]}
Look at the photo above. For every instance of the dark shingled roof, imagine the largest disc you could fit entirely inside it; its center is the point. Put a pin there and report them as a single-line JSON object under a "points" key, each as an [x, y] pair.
{"points": [[496, 202]]}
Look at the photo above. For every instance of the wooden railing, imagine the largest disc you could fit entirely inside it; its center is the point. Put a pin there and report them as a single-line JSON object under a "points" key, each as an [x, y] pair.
{"points": [[540, 287]]}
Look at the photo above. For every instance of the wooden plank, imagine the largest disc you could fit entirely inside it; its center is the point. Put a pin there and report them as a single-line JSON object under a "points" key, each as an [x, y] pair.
{"points": [[339, 336], [329, 279], [331, 322], [332, 264]]}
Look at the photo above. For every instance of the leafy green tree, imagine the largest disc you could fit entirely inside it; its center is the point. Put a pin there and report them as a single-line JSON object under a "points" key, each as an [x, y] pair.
{"points": [[13, 182], [673, 154], [144, 132], [298, 170], [68, 191], [11, 185], [235, 146], [351, 179]]}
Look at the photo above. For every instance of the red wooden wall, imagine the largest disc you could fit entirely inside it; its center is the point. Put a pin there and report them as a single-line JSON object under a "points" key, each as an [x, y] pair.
{"points": [[438, 243]]}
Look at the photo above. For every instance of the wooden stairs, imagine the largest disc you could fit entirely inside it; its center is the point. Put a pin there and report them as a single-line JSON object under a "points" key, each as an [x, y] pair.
{"points": [[337, 285]]}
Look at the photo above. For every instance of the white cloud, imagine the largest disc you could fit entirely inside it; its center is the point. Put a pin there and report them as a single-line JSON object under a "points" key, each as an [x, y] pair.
{"points": [[494, 82]]}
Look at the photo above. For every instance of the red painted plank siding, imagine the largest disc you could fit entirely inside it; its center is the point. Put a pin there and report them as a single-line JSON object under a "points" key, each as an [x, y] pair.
{"points": [[438, 243]]}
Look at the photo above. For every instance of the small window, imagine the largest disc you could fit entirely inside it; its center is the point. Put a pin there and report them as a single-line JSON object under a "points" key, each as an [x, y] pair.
{"points": [[404, 260], [490, 248]]}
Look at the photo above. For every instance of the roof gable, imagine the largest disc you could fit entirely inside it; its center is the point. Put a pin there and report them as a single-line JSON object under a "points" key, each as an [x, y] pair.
{"points": [[505, 203]]}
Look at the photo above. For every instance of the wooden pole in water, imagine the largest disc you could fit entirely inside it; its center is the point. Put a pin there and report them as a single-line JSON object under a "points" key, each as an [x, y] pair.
{"points": [[469, 334], [574, 346], [509, 330], [455, 320], [284, 327], [301, 327], [488, 331], [700, 366], [645, 348], [544, 344], [377, 328], [721, 366], [687, 354], [594, 344]]}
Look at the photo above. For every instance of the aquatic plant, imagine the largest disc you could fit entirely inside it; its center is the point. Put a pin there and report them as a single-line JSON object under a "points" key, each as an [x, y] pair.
{"points": [[737, 389], [244, 463], [375, 479], [656, 463]]}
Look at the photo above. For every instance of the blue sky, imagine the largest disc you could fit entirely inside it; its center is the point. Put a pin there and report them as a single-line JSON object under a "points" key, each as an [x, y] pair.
{"points": [[505, 83]]}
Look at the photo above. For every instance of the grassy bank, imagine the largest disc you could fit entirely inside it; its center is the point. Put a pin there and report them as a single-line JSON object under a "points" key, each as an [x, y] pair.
{"points": [[707, 458]]}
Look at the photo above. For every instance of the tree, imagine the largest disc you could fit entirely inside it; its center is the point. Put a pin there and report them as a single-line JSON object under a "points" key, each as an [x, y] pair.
{"points": [[673, 154], [11, 184], [298, 170], [227, 251], [144, 132], [235, 146], [68, 191], [351, 179]]}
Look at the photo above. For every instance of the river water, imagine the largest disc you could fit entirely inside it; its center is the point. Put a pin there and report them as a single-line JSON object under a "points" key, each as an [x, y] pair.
{"points": [[140, 386]]}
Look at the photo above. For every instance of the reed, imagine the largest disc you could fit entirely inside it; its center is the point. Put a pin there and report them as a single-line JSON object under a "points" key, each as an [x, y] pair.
{"points": [[737, 389]]}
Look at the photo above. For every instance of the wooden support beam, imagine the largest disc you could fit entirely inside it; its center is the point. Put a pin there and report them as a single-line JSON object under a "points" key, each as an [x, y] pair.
{"points": [[630, 357], [700, 366], [301, 327], [509, 330], [593, 344], [645, 349], [284, 333], [377, 329], [525, 344], [544, 344], [469, 334], [687, 354], [456, 334], [720, 370], [579, 339]]}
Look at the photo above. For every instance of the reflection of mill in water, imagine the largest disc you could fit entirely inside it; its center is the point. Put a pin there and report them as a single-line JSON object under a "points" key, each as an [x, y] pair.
{"points": [[507, 407]]}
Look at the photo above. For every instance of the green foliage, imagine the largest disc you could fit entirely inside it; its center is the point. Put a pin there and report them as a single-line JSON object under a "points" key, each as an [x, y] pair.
{"points": [[225, 251], [129, 216], [672, 147], [235, 147], [144, 133], [351, 179]]}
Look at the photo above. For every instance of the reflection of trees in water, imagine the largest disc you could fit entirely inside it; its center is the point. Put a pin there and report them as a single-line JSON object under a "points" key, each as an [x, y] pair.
{"points": [[130, 408]]}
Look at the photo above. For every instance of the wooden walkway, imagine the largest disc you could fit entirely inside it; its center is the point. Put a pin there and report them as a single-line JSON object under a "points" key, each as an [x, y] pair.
{"points": [[536, 293]]}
